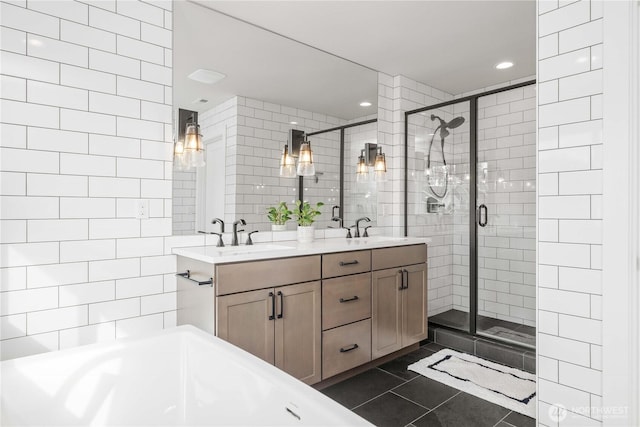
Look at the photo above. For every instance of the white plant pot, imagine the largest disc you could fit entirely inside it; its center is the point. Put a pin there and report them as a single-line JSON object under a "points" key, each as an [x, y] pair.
{"points": [[305, 234], [278, 227]]}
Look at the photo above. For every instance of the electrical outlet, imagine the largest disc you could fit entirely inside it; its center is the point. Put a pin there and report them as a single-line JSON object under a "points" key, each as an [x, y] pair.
{"points": [[142, 209]]}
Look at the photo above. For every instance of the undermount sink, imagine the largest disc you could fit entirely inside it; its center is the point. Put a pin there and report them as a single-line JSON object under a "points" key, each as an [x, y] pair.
{"points": [[258, 247]]}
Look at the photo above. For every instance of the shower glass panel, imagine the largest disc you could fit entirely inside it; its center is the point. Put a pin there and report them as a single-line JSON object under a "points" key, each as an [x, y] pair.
{"points": [[360, 192], [438, 197], [506, 190]]}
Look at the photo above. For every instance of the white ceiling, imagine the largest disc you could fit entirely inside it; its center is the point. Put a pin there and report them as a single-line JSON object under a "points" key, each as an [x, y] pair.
{"points": [[450, 45]]}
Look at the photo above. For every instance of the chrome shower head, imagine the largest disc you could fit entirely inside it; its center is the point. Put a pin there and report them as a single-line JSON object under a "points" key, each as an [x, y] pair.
{"points": [[454, 123]]}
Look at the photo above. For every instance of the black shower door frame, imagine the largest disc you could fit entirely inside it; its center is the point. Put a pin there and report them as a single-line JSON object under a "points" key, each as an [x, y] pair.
{"points": [[473, 192]]}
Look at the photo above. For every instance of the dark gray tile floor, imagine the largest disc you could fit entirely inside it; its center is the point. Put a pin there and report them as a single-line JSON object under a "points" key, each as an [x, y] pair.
{"points": [[389, 395]]}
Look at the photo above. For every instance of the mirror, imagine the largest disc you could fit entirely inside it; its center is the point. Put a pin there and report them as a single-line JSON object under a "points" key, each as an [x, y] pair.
{"points": [[271, 84]]}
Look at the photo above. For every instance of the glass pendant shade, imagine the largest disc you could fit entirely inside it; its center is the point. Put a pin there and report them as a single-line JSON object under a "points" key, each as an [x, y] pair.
{"points": [[192, 137], [190, 152], [380, 166], [362, 170], [287, 164], [305, 160]]}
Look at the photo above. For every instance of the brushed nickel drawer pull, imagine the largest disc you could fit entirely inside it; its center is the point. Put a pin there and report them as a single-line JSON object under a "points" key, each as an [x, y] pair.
{"points": [[187, 275], [347, 349], [273, 305], [354, 298], [281, 295], [344, 263]]}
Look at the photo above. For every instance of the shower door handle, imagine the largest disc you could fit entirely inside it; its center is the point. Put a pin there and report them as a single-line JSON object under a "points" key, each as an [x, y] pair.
{"points": [[482, 222]]}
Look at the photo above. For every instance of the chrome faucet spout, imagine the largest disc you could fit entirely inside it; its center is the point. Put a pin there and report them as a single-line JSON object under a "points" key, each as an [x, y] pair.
{"points": [[364, 218], [234, 238], [218, 221]]}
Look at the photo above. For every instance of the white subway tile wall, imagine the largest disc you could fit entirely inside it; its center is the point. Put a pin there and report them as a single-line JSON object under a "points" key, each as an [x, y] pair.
{"points": [[569, 210], [86, 116]]}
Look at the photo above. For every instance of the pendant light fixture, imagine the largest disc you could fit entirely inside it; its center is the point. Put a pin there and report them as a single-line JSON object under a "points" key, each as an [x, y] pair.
{"points": [[287, 164], [380, 166], [305, 160], [362, 170], [188, 150], [371, 155]]}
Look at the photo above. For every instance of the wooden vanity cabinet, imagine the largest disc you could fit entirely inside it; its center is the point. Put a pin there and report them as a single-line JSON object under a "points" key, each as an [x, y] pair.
{"points": [[279, 325], [260, 307], [312, 316], [346, 311], [399, 298]]}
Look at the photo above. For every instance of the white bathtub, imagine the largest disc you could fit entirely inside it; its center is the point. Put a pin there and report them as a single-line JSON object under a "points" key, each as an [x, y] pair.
{"points": [[180, 376]]}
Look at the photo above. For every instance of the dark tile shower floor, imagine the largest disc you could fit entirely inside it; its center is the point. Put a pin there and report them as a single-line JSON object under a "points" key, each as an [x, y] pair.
{"points": [[522, 334], [390, 395]]}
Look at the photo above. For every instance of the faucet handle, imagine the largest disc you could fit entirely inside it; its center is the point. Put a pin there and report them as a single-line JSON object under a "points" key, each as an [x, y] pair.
{"points": [[348, 231], [366, 234], [249, 241], [220, 243]]}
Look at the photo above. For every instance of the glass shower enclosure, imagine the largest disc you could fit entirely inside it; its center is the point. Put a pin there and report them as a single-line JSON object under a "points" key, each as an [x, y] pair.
{"points": [[470, 187]]}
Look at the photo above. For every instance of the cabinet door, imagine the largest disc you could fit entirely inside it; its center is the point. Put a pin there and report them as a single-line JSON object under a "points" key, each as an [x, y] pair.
{"points": [[243, 320], [414, 305], [386, 312], [298, 331]]}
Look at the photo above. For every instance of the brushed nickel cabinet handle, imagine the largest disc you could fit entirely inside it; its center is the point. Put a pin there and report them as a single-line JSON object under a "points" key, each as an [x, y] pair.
{"points": [[354, 298], [344, 263], [347, 349]]}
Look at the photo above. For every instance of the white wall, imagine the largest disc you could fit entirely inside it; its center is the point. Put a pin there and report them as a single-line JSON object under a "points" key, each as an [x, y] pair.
{"points": [[570, 144], [86, 131]]}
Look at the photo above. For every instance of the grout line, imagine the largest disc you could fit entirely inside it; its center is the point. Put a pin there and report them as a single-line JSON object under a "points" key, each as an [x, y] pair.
{"points": [[436, 407], [409, 400], [502, 419], [391, 373]]}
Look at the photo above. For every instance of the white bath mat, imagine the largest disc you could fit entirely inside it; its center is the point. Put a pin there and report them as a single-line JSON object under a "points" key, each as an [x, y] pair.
{"points": [[509, 387]]}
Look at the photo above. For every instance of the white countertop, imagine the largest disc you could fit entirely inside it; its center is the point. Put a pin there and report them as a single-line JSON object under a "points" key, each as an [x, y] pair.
{"points": [[289, 248]]}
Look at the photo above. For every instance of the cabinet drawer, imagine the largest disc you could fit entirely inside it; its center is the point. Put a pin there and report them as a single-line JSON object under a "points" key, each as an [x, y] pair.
{"points": [[346, 347], [346, 300], [398, 256], [343, 263], [248, 276]]}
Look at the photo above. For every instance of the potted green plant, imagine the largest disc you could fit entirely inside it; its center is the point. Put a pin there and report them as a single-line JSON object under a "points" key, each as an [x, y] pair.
{"points": [[279, 215], [305, 216]]}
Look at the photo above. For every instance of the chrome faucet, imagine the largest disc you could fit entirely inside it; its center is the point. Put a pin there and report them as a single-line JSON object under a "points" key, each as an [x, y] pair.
{"points": [[364, 218], [219, 221], [234, 239]]}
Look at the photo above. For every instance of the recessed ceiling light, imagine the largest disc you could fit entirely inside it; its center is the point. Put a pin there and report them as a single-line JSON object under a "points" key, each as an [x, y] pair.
{"points": [[206, 76], [293, 123], [365, 104], [504, 65]]}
